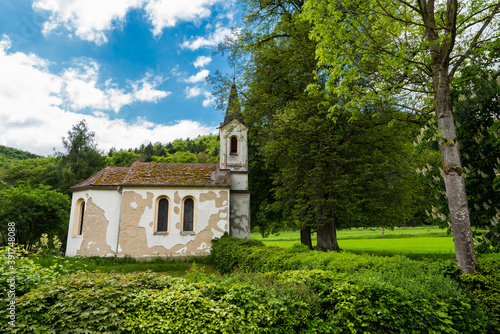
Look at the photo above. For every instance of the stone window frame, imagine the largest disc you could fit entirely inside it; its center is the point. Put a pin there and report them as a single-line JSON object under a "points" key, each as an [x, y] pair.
{"points": [[236, 145], [169, 215], [79, 217], [195, 215]]}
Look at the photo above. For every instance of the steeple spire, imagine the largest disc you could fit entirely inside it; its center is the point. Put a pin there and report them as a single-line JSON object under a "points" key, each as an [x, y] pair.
{"points": [[233, 110]]}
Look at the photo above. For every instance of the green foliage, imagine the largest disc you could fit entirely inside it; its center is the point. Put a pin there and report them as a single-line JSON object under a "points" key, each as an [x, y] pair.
{"points": [[204, 150], [48, 246], [373, 293], [167, 158], [14, 262], [404, 56], [12, 153], [149, 303], [82, 158], [121, 158], [35, 171], [312, 301], [34, 210], [183, 157], [485, 286]]}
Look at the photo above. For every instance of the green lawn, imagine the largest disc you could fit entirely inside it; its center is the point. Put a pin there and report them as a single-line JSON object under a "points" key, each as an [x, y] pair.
{"points": [[364, 233], [414, 242]]}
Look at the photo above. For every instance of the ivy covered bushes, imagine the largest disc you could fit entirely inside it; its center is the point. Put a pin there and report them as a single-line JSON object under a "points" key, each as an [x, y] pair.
{"points": [[484, 285], [363, 288], [264, 290], [313, 301], [156, 303]]}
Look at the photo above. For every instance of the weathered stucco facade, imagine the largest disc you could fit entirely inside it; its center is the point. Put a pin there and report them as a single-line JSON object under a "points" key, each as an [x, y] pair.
{"points": [[234, 158], [127, 221], [165, 209]]}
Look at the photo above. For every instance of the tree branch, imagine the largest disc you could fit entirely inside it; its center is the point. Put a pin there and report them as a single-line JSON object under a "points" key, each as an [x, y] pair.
{"points": [[472, 45]]}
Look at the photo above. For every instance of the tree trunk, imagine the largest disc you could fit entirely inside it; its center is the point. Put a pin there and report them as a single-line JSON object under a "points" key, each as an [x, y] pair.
{"points": [[383, 230], [305, 237], [326, 235], [440, 50], [452, 173]]}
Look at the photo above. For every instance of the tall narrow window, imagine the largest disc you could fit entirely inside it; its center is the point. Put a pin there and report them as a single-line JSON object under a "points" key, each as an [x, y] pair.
{"points": [[188, 218], [162, 215], [234, 145], [82, 214]]}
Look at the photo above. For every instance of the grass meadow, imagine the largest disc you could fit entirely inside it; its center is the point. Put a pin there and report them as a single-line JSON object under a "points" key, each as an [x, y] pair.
{"points": [[413, 242]]}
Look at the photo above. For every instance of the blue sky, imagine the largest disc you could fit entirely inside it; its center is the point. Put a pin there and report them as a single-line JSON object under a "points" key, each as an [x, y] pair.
{"points": [[135, 70]]}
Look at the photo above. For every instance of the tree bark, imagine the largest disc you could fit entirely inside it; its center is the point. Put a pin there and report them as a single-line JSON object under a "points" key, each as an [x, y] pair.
{"points": [[453, 177], [326, 235], [305, 237], [440, 51]]}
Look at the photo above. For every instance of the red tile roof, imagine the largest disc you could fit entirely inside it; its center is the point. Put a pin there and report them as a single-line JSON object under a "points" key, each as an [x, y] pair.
{"points": [[158, 174]]}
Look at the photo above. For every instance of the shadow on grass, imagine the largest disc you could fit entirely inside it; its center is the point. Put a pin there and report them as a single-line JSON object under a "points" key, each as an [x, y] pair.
{"points": [[172, 266], [413, 256]]}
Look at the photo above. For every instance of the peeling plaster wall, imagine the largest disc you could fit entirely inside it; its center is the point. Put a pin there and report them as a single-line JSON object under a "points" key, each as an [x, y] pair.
{"points": [[100, 224], [137, 230], [239, 181], [237, 162], [240, 215]]}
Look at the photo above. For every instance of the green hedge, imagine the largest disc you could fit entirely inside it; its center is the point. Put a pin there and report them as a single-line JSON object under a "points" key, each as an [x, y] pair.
{"points": [[484, 285], [293, 291], [313, 301], [155, 303], [421, 288]]}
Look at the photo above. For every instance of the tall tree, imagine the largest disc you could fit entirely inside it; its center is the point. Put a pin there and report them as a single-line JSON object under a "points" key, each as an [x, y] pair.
{"points": [[325, 174], [407, 53], [476, 98], [82, 158]]}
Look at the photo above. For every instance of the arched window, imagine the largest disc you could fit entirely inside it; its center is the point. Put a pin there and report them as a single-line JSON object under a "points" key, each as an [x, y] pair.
{"points": [[82, 215], [188, 216], [234, 145], [162, 218]]}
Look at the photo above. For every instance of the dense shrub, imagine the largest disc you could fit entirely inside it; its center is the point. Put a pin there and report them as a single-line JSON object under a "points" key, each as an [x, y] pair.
{"points": [[485, 286], [15, 263], [312, 301], [360, 286], [155, 303]]}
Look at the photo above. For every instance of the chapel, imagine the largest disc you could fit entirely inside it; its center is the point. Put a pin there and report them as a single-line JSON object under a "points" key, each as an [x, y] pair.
{"points": [[165, 209]]}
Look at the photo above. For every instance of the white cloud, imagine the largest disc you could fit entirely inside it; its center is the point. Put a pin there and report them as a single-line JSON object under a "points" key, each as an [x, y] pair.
{"points": [[39, 107], [148, 93], [81, 89], [92, 20], [202, 61], [218, 36], [193, 92], [198, 77], [166, 13], [89, 19]]}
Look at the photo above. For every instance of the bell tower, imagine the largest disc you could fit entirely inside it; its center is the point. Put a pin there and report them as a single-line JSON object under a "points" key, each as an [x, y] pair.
{"points": [[234, 157]]}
